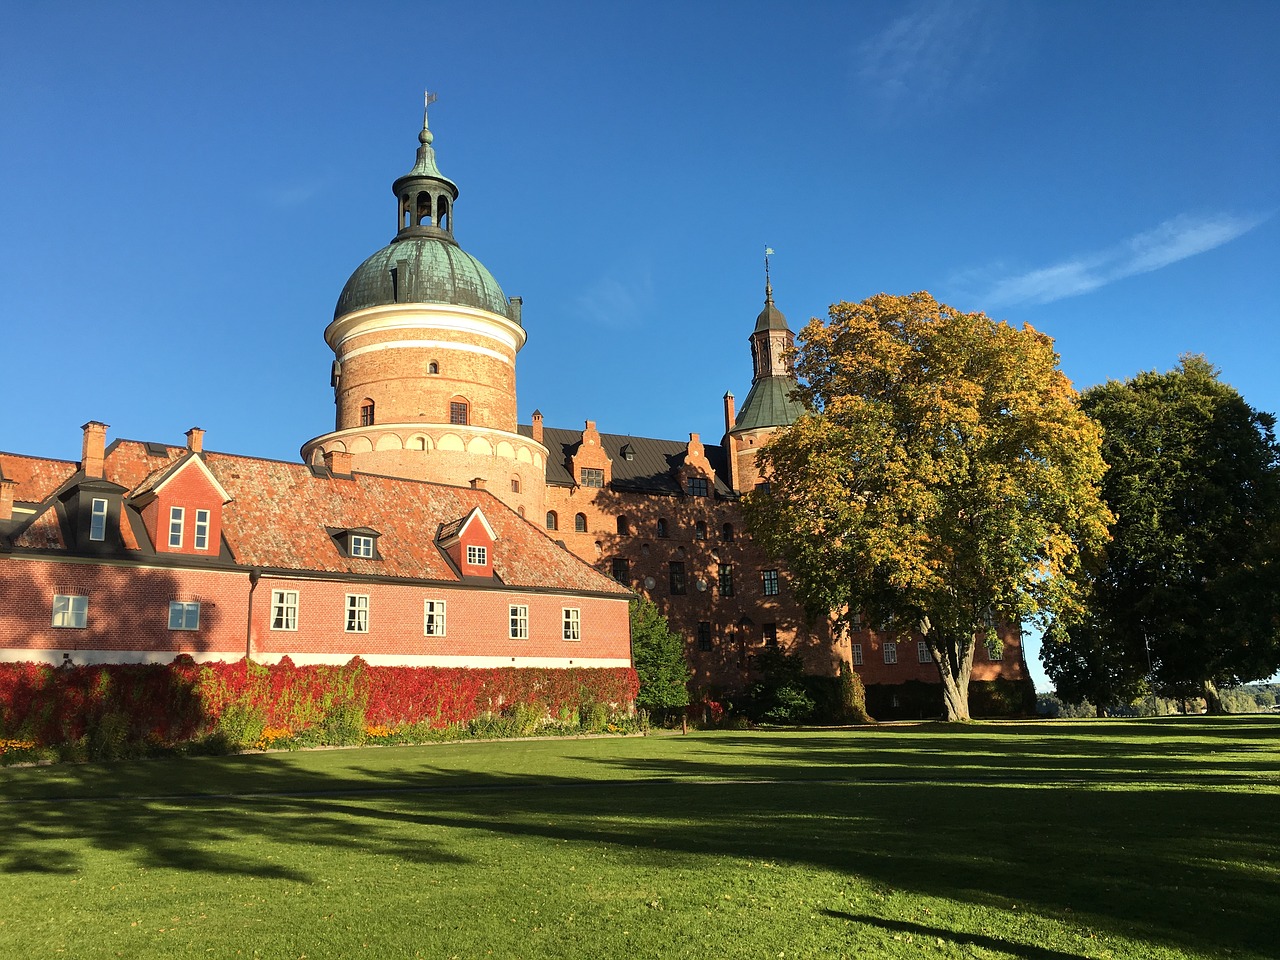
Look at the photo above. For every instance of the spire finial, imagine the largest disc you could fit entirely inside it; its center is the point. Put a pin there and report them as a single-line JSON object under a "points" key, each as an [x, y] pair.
{"points": [[768, 287], [428, 98]]}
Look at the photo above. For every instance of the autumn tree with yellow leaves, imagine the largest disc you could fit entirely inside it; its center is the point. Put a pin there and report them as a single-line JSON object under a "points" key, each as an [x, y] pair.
{"points": [[945, 478]]}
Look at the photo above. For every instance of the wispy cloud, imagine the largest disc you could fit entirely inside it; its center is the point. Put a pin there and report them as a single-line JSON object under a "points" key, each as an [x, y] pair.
{"points": [[297, 193], [1176, 239], [618, 300]]}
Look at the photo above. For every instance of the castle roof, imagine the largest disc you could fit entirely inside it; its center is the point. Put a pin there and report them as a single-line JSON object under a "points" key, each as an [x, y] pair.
{"points": [[640, 464]]}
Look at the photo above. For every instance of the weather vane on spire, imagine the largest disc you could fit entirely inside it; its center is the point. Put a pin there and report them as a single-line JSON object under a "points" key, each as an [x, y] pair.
{"points": [[768, 287], [428, 98]]}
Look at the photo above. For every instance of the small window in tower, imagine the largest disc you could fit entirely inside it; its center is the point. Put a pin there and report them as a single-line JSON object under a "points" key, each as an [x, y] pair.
{"points": [[662, 527], [366, 413], [624, 526], [515, 484], [700, 530], [727, 533], [580, 523], [458, 412], [443, 214], [433, 367], [553, 521]]}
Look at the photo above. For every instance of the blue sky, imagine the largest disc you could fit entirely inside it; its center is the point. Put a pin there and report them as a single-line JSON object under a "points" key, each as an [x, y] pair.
{"points": [[187, 187]]}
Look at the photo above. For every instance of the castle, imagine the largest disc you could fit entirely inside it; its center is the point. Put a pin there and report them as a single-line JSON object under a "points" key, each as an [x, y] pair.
{"points": [[428, 526]]}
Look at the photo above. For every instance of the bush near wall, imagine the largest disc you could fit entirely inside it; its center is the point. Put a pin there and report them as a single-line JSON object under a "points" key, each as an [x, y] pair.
{"points": [[916, 700], [117, 710]]}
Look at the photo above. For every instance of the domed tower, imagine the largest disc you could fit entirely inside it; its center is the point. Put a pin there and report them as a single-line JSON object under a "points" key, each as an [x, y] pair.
{"points": [[769, 404], [424, 370]]}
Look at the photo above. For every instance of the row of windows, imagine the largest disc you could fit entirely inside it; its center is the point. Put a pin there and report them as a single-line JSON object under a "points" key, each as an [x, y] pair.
{"points": [[71, 611], [625, 529], [890, 650], [459, 409], [284, 616], [594, 477], [177, 525], [768, 634], [678, 582]]}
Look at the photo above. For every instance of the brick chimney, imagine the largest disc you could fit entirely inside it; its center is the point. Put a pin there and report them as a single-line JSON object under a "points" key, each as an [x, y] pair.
{"points": [[338, 462], [6, 499], [537, 425], [730, 413], [195, 440], [94, 449], [477, 483]]}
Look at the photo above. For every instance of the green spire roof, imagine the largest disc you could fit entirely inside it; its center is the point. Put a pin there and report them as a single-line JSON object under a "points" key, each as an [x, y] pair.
{"points": [[769, 404]]}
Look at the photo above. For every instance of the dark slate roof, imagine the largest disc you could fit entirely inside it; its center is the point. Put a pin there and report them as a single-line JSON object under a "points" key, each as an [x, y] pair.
{"points": [[769, 404], [652, 469]]}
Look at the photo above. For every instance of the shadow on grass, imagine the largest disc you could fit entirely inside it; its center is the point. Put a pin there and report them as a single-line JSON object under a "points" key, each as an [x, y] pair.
{"points": [[1145, 847], [961, 940]]}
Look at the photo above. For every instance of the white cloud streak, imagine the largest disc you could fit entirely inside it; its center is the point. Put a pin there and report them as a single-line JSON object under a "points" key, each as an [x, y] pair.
{"points": [[1176, 239]]}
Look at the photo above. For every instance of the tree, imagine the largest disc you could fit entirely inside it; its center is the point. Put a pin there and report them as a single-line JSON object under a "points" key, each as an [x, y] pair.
{"points": [[1189, 587], [944, 480], [658, 656]]}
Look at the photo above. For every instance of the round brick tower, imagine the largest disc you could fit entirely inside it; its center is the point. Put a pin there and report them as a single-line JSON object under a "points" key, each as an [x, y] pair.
{"points": [[425, 343]]}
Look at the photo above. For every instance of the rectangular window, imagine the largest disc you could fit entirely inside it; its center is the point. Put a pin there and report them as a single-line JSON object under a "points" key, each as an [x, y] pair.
{"points": [[357, 613], [592, 477], [677, 577], [726, 579], [284, 609], [704, 635], [995, 651], [572, 623], [176, 516], [361, 546], [477, 556], [184, 615], [70, 610], [519, 621], [769, 634], [202, 530], [433, 618], [922, 651], [857, 654], [622, 569], [98, 519], [697, 486], [458, 413], [890, 651], [769, 578]]}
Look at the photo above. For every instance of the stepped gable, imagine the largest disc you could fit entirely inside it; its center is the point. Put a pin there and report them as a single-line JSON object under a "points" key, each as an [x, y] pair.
{"points": [[652, 467]]}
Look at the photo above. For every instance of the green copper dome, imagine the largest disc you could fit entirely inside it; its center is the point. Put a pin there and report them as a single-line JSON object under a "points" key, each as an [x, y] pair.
{"points": [[419, 269]]}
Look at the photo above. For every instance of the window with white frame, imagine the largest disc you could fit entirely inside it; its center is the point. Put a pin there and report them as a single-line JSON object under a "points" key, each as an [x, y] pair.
{"points": [[176, 517], [572, 623], [769, 579], [284, 609], [184, 615], [922, 652], [477, 556], [98, 519], [890, 651], [202, 530], [357, 613], [433, 618], [70, 610], [857, 654], [519, 621], [361, 545]]}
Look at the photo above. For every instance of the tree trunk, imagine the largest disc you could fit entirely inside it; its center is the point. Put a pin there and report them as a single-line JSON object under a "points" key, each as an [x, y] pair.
{"points": [[1212, 702], [954, 669]]}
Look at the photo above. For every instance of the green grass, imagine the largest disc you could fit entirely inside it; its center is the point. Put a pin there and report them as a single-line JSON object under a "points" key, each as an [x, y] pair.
{"points": [[1144, 839]]}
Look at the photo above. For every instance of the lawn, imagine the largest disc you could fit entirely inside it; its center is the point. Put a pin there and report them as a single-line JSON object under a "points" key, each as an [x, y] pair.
{"points": [[1143, 838]]}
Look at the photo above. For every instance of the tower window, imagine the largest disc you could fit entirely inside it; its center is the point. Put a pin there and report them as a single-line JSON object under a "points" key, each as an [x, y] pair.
{"points": [[726, 579], [433, 367], [700, 530], [769, 634], [366, 413], [624, 526], [676, 575], [727, 533], [769, 580], [553, 521], [458, 412], [662, 528], [580, 523], [515, 484], [704, 635], [621, 569]]}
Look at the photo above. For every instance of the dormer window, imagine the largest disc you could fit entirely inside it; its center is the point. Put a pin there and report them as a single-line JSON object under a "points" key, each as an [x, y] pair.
{"points": [[177, 516], [98, 519], [361, 545], [477, 556], [202, 530]]}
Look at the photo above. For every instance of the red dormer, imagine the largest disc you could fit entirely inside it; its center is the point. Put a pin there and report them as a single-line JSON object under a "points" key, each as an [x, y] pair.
{"points": [[181, 506], [469, 544]]}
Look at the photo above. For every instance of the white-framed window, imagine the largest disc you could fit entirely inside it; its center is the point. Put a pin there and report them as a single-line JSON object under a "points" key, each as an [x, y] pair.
{"points": [[769, 580], [184, 615], [572, 623], [477, 556], [922, 651], [857, 654], [284, 609], [202, 530], [433, 618], [98, 519], [177, 516], [357, 613], [890, 651], [70, 610], [592, 477], [361, 546], [519, 621]]}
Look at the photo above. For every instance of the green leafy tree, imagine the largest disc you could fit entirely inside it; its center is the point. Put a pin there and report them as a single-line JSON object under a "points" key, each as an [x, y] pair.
{"points": [[944, 480], [1189, 587], [658, 656]]}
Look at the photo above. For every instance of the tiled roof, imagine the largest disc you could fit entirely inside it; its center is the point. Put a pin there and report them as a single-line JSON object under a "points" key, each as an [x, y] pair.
{"points": [[36, 478], [652, 469]]}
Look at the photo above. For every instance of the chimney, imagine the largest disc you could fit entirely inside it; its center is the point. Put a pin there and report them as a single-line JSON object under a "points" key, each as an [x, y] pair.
{"points": [[195, 440], [730, 414], [94, 449], [338, 462], [6, 499], [537, 426], [477, 483]]}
